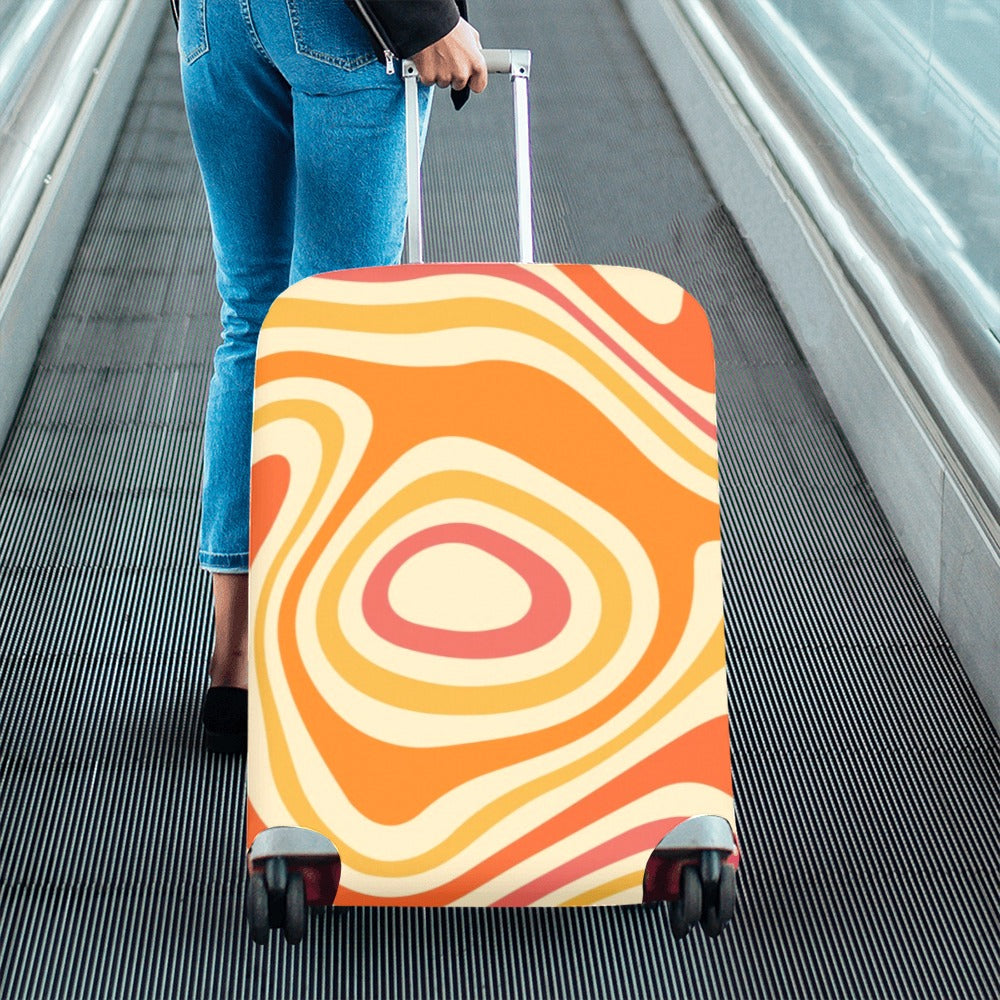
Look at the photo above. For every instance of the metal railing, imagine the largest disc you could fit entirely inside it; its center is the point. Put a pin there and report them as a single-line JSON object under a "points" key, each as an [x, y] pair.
{"points": [[49, 54], [905, 242]]}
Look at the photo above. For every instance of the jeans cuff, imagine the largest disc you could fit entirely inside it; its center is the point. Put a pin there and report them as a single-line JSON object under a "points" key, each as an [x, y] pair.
{"points": [[215, 562]]}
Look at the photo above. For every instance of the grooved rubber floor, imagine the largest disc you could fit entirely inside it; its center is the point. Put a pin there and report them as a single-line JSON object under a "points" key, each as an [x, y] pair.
{"points": [[866, 771]]}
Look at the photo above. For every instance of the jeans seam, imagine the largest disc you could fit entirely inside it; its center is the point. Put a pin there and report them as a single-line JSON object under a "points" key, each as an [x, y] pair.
{"points": [[196, 53], [252, 31], [340, 62]]}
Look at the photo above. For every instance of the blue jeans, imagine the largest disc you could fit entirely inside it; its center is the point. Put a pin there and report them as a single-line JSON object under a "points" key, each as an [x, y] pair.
{"points": [[299, 134]]}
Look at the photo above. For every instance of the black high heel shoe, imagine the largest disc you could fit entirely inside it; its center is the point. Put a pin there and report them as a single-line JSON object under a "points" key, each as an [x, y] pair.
{"points": [[224, 718]]}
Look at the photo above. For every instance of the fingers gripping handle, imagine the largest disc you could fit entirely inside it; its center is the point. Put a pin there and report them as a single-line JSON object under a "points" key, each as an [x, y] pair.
{"points": [[515, 63]]}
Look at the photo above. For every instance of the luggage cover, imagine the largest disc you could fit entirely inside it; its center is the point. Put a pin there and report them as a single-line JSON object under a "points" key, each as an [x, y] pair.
{"points": [[486, 645]]}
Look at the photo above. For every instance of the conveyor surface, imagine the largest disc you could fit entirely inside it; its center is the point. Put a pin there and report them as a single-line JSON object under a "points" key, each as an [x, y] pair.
{"points": [[866, 771]]}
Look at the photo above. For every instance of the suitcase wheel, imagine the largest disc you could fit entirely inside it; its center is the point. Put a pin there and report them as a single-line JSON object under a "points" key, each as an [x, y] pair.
{"points": [[685, 911], [257, 908], [276, 898], [295, 908], [276, 880], [720, 901], [706, 892]]}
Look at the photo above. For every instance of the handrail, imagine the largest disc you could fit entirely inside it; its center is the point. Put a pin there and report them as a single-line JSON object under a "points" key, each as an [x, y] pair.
{"points": [[47, 92], [941, 339]]}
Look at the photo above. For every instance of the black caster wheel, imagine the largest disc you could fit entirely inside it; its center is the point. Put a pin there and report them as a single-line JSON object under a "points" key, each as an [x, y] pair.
{"points": [[257, 908], [276, 879], [719, 911], [295, 908], [685, 911]]}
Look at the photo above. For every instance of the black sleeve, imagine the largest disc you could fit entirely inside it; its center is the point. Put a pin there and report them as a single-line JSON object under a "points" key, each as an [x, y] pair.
{"points": [[415, 24]]}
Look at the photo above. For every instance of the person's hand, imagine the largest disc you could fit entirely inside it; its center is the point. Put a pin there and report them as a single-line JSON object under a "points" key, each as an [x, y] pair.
{"points": [[454, 61]]}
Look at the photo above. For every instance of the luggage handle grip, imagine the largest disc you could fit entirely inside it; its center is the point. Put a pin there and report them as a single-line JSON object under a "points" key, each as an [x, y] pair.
{"points": [[515, 63]]}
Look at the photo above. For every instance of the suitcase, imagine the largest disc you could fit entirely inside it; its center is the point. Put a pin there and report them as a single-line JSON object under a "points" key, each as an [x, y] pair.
{"points": [[486, 627]]}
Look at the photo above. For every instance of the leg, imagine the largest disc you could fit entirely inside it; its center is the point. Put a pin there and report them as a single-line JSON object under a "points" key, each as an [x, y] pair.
{"points": [[349, 114], [239, 111], [350, 207], [229, 657]]}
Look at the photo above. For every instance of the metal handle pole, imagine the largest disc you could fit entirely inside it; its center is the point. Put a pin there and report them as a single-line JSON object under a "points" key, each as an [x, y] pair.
{"points": [[522, 164], [515, 63], [414, 209]]}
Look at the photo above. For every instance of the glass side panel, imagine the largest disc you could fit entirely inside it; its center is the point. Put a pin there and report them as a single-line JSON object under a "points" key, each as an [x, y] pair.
{"points": [[911, 89], [25, 27]]}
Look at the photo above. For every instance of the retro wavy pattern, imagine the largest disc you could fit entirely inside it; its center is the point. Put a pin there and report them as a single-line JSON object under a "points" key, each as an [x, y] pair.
{"points": [[486, 595]]}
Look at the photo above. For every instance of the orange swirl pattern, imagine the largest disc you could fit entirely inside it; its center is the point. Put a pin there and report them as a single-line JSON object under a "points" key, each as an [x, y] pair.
{"points": [[486, 593]]}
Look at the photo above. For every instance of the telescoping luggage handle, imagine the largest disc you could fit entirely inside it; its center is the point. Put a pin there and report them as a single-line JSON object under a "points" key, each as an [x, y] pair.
{"points": [[515, 63]]}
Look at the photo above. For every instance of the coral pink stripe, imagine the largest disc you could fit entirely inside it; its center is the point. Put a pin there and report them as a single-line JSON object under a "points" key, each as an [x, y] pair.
{"points": [[544, 620], [524, 276], [644, 837]]}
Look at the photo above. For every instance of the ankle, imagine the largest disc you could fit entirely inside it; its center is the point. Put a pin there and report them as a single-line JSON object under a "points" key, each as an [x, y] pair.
{"points": [[228, 671], [228, 667]]}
